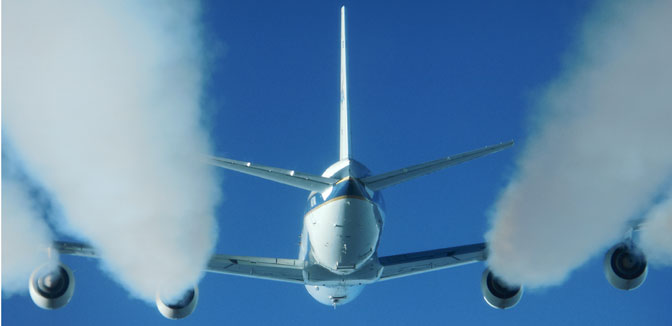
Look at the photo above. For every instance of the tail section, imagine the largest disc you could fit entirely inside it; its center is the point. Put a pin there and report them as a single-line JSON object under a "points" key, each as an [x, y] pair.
{"points": [[345, 115]]}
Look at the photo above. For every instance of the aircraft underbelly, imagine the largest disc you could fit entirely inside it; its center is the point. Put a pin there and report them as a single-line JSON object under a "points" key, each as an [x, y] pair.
{"points": [[343, 233]]}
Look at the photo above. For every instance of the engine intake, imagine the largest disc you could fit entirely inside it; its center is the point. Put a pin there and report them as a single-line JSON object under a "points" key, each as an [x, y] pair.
{"points": [[51, 287], [625, 267], [497, 294], [180, 308]]}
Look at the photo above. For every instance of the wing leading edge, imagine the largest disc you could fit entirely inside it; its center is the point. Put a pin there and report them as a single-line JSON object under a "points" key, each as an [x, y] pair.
{"points": [[431, 260]]}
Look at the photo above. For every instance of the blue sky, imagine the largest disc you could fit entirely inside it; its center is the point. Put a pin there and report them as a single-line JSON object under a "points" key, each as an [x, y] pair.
{"points": [[425, 81]]}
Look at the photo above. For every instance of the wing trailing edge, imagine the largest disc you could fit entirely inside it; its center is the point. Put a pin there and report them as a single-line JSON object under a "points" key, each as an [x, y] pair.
{"points": [[426, 261], [276, 269]]}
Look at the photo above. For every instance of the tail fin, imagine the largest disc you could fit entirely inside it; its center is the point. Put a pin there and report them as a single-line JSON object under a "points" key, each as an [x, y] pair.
{"points": [[345, 115]]}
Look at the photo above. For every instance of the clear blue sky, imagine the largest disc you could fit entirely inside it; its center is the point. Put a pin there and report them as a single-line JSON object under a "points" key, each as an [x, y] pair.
{"points": [[425, 81]]}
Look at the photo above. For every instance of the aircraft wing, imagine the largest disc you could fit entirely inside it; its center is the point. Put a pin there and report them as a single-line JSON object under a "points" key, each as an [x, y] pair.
{"points": [[430, 260], [74, 249], [378, 182], [289, 177], [277, 269]]}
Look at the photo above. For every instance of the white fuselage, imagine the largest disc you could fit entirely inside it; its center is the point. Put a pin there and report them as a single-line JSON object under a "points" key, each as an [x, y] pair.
{"points": [[343, 232], [343, 227]]}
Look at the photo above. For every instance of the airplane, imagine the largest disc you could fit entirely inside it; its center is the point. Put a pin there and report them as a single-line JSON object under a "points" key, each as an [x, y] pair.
{"points": [[342, 226]]}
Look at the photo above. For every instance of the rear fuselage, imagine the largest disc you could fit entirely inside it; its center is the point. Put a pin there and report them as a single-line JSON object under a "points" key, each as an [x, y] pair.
{"points": [[342, 228]]}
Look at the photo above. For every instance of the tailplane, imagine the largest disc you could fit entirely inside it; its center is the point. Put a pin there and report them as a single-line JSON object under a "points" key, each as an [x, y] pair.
{"points": [[381, 181]]}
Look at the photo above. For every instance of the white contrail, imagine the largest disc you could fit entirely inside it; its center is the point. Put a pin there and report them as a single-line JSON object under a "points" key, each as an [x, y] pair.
{"points": [[600, 151], [25, 235], [101, 100], [655, 238]]}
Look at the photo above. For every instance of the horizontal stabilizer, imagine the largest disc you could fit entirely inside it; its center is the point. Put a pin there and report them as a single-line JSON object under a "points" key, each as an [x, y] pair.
{"points": [[289, 177], [431, 260], [381, 181]]}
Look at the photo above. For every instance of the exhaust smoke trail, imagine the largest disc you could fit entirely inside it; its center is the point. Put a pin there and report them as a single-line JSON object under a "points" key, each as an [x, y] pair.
{"points": [[656, 234], [101, 101], [600, 151], [25, 235]]}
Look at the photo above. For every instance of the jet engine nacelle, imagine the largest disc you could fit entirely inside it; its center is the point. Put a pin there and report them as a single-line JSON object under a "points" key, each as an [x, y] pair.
{"points": [[625, 267], [180, 308], [497, 294], [51, 287]]}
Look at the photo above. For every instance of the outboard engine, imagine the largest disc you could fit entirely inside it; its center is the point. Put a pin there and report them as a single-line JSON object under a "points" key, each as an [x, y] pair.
{"points": [[51, 287], [497, 294], [625, 267], [179, 308]]}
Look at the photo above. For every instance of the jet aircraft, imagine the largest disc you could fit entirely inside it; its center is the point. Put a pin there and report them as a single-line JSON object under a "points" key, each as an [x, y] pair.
{"points": [[342, 226]]}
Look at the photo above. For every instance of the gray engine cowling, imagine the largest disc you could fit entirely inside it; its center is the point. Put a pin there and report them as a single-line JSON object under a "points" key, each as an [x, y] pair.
{"points": [[625, 267], [497, 294], [51, 287], [180, 308]]}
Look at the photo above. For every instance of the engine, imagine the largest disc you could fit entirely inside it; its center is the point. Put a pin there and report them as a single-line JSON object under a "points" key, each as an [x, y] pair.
{"points": [[180, 308], [625, 267], [497, 294], [51, 287]]}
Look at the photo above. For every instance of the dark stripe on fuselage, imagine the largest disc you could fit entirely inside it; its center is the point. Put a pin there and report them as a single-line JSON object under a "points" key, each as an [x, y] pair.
{"points": [[346, 187], [335, 199]]}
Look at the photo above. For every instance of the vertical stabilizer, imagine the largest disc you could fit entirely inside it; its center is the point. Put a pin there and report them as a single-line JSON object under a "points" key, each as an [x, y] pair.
{"points": [[345, 115]]}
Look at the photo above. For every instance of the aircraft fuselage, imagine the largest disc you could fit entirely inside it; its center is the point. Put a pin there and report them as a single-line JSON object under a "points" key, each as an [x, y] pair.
{"points": [[343, 227]]}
